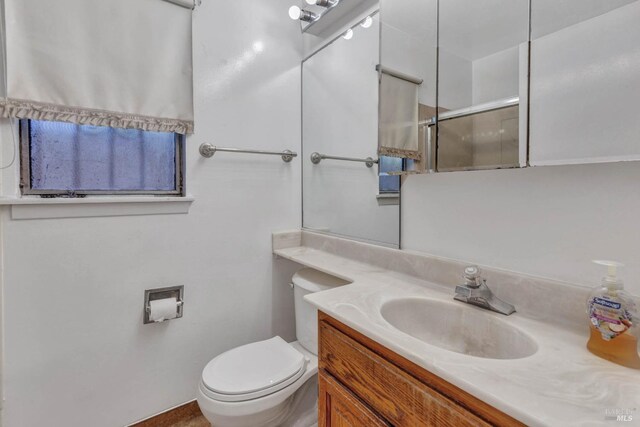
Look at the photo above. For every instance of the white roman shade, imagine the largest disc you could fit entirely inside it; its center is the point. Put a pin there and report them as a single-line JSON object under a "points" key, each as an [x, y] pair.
{"points": [[398, 116], [118, 63]]}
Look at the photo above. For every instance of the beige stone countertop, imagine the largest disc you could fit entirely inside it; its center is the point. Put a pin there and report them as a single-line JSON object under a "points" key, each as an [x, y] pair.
{"points": [[561, 384]]}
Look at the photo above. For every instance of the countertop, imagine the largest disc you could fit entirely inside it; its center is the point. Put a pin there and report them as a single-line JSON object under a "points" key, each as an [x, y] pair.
{"points": [[562, 384]]}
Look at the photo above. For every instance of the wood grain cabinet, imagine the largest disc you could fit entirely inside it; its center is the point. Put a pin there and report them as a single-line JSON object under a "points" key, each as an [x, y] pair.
{"points": [[339, 407], [363, 383]]}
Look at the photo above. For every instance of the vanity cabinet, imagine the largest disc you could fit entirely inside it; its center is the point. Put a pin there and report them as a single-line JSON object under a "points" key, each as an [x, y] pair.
{"points": [[339, 407], [363, 383]]}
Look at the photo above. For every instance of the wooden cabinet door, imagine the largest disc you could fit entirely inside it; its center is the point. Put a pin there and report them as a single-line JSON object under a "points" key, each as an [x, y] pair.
{"points": [[400, 392], [339, 408]]}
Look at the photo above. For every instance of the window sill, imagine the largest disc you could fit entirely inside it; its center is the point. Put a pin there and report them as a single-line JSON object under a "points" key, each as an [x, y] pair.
{"points": [[95, 206], [388, 199]]}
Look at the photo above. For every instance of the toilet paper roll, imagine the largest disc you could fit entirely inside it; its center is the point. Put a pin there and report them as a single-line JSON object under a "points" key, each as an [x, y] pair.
{"points": [[163, 309]]}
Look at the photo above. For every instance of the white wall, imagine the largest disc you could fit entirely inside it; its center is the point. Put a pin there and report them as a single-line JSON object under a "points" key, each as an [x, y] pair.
{"points": [[76, 352], [502, 75], [478, 50], [408, 42], [340, 118], [474, 29], [496, 76], [455, 81], [544, 221], [465, 82]]}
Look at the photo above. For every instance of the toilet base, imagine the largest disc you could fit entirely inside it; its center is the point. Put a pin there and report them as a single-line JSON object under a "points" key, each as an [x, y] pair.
{"points": [[304, 412], [298, 410], [293, 406]]}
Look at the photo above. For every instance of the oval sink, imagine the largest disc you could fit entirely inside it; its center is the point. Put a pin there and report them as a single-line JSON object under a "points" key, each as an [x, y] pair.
{"points": [[458, 328]]}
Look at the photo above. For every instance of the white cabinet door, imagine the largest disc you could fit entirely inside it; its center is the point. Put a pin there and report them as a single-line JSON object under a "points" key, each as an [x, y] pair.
{"points": [[585, 82]]}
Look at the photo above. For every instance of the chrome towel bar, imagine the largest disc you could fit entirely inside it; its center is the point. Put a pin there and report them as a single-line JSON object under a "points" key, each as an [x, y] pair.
{"points": [[208, 150], [317, 158]]}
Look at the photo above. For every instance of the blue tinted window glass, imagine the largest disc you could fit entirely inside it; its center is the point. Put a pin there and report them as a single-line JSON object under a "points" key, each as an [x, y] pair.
{"points": [[72, 157], [390, 183]]}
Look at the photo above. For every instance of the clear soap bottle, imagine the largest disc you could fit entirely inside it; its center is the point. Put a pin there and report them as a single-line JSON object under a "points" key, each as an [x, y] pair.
{"points": [[614, 319]]}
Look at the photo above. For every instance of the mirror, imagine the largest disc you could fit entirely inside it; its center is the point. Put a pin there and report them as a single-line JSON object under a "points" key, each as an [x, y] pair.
{"points": [[482, 84], [408, 80], [343, 193], [468, 62], [585, 57], [438, 86], [515, 83]]}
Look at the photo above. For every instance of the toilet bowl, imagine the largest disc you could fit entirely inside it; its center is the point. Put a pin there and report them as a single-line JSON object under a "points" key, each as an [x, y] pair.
{"points": [[269, 383]]}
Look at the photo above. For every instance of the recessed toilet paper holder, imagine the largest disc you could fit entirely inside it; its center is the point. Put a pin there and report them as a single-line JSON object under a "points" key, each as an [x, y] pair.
{"points": [[176, 292]]}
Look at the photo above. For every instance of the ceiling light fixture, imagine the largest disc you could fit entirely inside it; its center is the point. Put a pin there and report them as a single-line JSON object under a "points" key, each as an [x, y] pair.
{"points": [[296, 13], [323, 3], [368, 22]]}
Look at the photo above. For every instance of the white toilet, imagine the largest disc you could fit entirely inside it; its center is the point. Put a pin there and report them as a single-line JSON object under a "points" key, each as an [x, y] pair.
{"points": [[269, 383]]}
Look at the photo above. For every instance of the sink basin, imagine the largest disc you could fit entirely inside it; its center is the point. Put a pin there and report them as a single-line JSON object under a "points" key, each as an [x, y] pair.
{"points": [[459, 328]]}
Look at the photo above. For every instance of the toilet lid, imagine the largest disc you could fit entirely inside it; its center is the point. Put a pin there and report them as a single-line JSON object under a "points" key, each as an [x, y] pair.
{"points": [[255, 367], [316, 281]]}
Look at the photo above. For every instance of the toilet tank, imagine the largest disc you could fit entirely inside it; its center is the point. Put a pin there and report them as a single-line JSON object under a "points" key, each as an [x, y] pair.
{"points": [[308, 281]]}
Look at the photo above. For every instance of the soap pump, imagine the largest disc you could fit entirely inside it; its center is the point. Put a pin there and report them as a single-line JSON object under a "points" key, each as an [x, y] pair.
{"points": [[613, 320]]}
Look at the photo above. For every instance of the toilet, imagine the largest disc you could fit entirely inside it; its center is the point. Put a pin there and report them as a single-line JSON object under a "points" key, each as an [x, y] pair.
{"points": [[270, 383]]}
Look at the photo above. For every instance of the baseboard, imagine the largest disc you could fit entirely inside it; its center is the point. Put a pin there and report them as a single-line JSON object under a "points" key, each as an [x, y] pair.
{"points": [[173, 416]]}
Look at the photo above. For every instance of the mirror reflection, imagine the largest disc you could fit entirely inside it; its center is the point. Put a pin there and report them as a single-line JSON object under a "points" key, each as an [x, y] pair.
{"points": [[346, 188], [482, 84], [439, 86], [408, 81]]}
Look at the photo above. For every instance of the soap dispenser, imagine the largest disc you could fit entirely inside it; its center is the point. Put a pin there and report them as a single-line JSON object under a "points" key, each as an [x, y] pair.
{"points": [[613, 320]]}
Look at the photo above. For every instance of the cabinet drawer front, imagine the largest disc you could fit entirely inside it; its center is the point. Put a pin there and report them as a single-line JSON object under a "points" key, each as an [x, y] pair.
{"points": [[397, 396], [338, 407]]}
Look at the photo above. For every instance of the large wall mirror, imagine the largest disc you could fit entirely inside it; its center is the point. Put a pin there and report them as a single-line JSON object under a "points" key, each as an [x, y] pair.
{"points": [[516, 83], [469, 61], [417, 86], [345, 189]]}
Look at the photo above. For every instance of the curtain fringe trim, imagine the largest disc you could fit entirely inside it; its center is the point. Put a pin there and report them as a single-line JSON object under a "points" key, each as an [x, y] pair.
{"points": [[397, 152], [19, 109]]}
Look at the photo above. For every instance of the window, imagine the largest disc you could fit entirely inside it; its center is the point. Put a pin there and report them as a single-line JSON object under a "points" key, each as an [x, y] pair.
{"points": [[389, 183], [64, 159]]}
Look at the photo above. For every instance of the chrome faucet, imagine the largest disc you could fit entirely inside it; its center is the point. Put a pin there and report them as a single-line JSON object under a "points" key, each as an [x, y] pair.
{"points": [[475, 291]]}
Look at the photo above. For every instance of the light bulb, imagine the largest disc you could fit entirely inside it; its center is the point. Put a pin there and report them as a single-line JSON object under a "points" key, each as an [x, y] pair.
{"points": [[348, 35], [295, 12], [311, 2], [368, 21]]}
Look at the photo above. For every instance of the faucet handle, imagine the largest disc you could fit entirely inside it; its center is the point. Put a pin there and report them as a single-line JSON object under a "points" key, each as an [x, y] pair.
{"points": [[471, 272], [472, 276]]}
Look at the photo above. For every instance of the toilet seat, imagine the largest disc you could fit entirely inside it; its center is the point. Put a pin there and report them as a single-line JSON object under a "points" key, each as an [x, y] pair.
{"points": [[258, 411], [253, 371]]}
